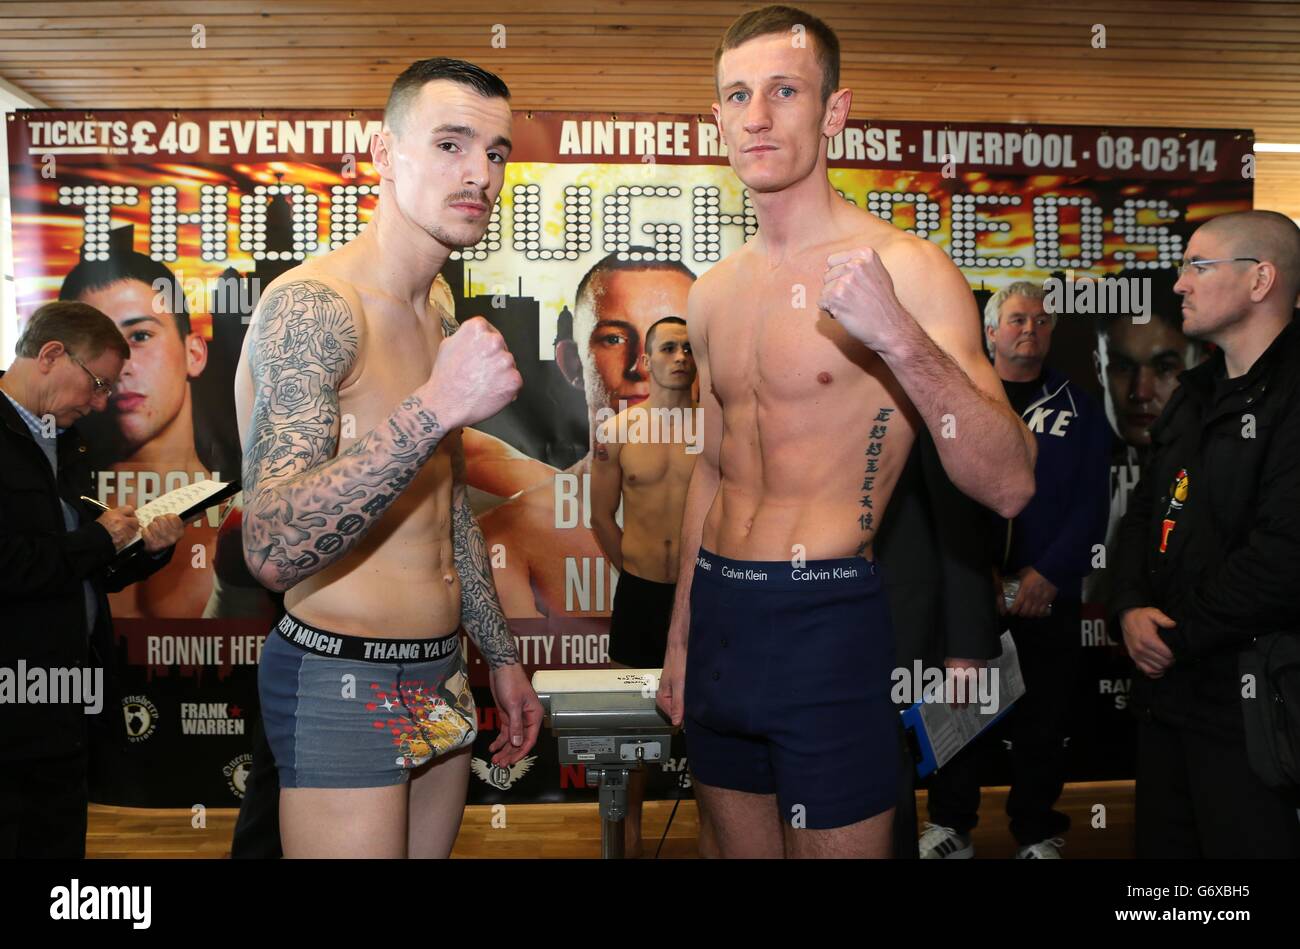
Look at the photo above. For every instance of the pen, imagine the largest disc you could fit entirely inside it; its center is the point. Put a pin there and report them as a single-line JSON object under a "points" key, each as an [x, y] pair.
{"points": [[98, 504]]}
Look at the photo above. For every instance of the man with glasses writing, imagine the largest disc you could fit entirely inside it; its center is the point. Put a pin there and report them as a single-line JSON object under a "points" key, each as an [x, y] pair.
{"points": [[1208, 555], [58, 561]]}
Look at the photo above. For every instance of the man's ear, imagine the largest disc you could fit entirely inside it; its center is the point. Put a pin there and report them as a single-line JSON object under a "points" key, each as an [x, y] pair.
{"points": [[569, 363], [1266, 278], [381, 152], [837, 112], [196, 355], [49, 353]]}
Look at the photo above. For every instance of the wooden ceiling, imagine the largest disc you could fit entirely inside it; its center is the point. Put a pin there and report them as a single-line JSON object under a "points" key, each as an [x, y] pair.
{"points": [[1165, 62]]}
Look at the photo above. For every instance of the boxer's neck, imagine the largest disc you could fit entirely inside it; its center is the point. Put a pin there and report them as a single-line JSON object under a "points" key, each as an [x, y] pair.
{"points": [[404, 257], [804, 215]]}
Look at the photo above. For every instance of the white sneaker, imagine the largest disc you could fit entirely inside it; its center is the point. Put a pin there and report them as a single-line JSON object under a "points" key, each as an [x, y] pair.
{"points": [[1049, 849], [944, 843]]}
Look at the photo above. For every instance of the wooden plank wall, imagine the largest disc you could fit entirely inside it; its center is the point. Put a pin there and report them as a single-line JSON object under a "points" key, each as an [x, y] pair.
{"points": [[1178, 63]]}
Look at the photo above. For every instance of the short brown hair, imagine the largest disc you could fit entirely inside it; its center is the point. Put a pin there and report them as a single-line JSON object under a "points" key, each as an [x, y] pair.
{"points": [[781, 19], [413, 79], [83, 330]]}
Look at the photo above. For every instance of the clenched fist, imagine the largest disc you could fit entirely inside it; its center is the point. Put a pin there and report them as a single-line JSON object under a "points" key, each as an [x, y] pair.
{"points": [[121, 524], [474, 376], [858, 292]]}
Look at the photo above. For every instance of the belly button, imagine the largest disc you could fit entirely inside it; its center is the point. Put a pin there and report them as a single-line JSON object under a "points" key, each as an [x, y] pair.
{"points": [[824, 378]]}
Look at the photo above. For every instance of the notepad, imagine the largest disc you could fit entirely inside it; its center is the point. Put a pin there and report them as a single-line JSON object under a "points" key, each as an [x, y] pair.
{"points": [[186, 502]]}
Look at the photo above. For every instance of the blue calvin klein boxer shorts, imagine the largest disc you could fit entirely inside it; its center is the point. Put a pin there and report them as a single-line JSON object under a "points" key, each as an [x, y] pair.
{"points": [[788, 673]]}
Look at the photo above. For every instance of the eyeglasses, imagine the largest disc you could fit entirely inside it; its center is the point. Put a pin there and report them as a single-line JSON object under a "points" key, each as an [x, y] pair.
{"points": [[1188, 264], [101, 387]]}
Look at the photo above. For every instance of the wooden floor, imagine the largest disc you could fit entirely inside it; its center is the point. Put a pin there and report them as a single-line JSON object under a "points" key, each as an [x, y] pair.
{"points": [[573, 830]]}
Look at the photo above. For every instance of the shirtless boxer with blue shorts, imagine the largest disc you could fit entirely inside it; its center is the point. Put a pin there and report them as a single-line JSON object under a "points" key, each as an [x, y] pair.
{"points": [[822, 345]]}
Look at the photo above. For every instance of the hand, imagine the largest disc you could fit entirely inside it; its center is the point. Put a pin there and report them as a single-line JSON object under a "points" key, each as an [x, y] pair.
{"points": [[162, 532], [519, 710], [858, 292], [474, 376], [1143, 642], [671, 697], [1034, 598], [121, 524], [972, 683]]}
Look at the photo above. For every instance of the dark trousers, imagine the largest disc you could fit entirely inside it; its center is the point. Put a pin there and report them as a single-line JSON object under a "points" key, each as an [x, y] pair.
{"points": [[1049, 654], [905, 827], [257, 832], [1198, 797], [43, 805]]}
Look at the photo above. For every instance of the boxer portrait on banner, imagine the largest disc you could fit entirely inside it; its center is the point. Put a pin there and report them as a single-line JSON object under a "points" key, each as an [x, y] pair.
{"points": [[1138, 362], [616, 303], [152, 438], [823, 346]]}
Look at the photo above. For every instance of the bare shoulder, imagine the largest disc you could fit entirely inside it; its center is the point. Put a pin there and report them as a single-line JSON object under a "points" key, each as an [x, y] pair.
{"points": [[722, 277], [607, 433], [710, 292], [907, 256], [928, 283], [312, 314]]}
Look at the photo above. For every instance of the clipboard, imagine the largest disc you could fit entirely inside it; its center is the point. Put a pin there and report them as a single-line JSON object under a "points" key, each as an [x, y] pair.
{"points": [[936, 732]]}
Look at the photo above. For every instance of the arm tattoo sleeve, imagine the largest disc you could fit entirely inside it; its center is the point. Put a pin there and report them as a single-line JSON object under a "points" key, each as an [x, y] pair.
{"points": [[480, 608], [305, 508]]}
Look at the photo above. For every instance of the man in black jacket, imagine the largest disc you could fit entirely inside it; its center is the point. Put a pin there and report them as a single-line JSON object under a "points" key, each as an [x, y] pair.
{"points": [[933, 553], [58, 562], [1209, 551]]}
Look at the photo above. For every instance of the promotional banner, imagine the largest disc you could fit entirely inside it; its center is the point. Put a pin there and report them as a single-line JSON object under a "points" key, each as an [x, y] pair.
{"points": [[173, 223]]}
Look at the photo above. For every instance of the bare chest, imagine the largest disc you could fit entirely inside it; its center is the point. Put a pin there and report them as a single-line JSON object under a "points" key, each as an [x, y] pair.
{"points": [[649, 465], [396, 358], [772, 347]]}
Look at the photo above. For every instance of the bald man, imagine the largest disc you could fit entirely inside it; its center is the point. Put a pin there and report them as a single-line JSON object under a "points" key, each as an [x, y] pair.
{"points": [[1209, 551]]}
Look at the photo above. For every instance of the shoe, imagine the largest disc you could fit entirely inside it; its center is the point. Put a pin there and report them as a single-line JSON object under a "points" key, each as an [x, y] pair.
{"points": [[944, 843], [1049, 849]]}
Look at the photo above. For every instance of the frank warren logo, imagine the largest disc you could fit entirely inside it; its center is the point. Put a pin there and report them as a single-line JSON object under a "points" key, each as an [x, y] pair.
{"points": [[211, 718]]}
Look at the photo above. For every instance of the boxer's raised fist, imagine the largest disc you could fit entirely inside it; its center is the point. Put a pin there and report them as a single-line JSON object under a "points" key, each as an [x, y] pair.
{"points": [[858, 292], [474, 376]]}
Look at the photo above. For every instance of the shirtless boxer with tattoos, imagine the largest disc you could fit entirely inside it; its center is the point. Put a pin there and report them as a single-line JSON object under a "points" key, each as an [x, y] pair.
{"points": [[352, 393]]}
